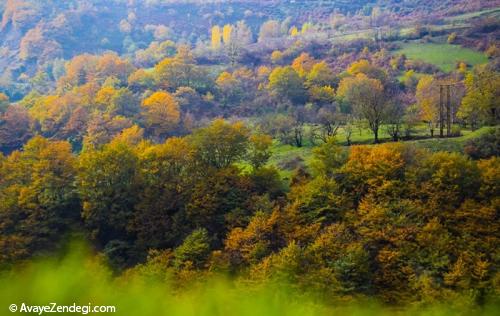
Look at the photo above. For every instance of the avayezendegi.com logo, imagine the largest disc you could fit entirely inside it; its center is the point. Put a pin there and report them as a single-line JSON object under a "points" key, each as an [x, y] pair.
{"points": [[55, 308]]}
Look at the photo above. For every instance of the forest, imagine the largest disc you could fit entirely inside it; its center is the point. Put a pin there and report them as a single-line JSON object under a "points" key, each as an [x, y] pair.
{"points": [[178, 157]]}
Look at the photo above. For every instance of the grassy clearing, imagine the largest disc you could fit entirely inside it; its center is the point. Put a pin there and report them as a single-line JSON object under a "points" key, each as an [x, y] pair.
{"points": [[355, 35], [471, 15], [360, 136], [283, 155], [451, 24], [444, 56], [454, 144]]}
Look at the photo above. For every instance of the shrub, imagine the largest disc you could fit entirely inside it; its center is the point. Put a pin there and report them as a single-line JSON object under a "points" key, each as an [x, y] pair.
{"points": [[456, 131], [452, 37], [485, 146]]}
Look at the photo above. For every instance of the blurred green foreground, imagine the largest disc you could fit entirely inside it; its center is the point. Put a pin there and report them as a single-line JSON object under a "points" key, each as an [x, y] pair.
{"points": [[81, 278]]}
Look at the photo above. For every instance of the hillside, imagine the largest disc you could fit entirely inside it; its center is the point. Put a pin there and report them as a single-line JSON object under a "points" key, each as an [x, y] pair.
{"points": [[216, 158], [38, 35]]}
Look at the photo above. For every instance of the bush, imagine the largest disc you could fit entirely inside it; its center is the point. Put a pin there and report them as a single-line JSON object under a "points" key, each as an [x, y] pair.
{"points": [[451, 38], [485, 146], [292, 163], [456, 131], [195, 249]]}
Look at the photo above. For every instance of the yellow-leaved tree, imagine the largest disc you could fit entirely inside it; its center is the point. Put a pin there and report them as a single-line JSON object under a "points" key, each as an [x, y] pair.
{"points": [[481, 101], [427, 95], [303, 64], [161, 113], [216, 37], [226, 34]]}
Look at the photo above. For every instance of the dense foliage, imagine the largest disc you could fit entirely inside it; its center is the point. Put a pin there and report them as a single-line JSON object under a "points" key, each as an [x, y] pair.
{"points": [[390, 221], [146, 295], [156, 143]]}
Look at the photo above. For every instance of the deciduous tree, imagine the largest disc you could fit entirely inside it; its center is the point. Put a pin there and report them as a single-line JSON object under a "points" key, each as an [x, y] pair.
{"points": [[286, 83], [220, 144], [368, 99], [161, 113], [38, 201]]}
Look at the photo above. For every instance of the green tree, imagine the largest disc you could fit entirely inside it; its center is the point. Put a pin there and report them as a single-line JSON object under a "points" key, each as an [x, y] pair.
{"points": [[320, 75], [218, 194], [124, 102], [141, 80], [286, 83], [368, 99], [328, 158], [38, 200], [220, 144], [194, 250], [259, 150], [481, 101], [107, 184], [365, 67], [167, 176], [181, 71]]}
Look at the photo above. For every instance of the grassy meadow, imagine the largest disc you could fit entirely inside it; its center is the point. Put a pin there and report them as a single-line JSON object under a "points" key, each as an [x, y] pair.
{"points": [[287, 157], [444, 56]]}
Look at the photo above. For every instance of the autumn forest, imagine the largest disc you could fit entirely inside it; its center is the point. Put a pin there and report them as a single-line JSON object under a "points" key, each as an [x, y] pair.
{"points": [[174, 157]]}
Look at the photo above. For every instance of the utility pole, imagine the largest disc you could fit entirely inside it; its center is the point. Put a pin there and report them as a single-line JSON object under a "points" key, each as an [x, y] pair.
{"points": [[442, 115], [441, 110], [448, 111]]}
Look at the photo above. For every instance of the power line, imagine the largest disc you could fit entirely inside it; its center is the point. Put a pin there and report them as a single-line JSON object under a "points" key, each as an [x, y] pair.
{"points": [[445, 111], [442, 115]]}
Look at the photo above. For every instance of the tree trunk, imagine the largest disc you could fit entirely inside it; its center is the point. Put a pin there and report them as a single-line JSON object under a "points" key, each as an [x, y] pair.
{"points": [[375, 133]]}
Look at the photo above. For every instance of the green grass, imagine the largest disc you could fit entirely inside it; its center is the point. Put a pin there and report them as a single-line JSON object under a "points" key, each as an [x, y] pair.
{"points": [[448, 27], [350, 36], [82, 279], [285, 153], [454, 144], [452, 23], [471, 15], [444, 56], [417, 76]]}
